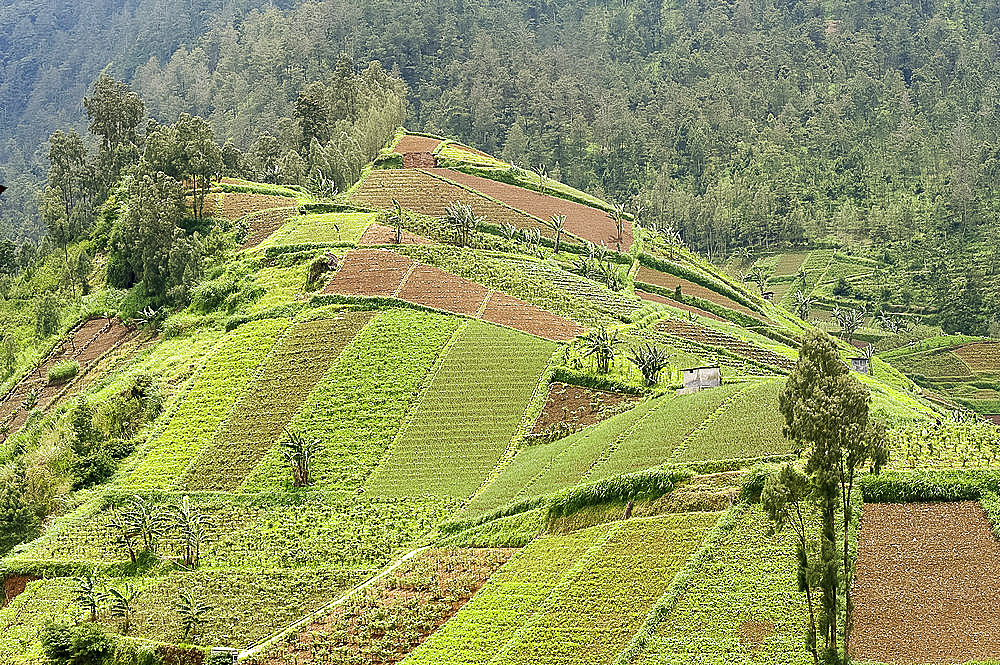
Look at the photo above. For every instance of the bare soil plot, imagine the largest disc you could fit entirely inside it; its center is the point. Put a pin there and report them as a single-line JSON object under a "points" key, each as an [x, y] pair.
{"points": [[583, 221], [86, 344], [235, 205], [411, 143], [981, 356], [380, 272], [668, 281], [370, 272], [653, 297], [570, 408], [696, 333], [926, 584], [378, 234], [426, 194], [509, 311], [262, 224], [433, 287]]}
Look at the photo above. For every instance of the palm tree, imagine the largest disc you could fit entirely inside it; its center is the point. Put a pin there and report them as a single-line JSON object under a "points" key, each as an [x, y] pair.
{"points": [[803, 302], [617, 216], [759, 276], [147, 520], [123, 604], [463, 221], [868, 353], [558, 224], [122, 523], [87, 593], [601, 344], [651, 360], [192, 527], [299, 454], [192, 612], [849, 320], [395, 219]]}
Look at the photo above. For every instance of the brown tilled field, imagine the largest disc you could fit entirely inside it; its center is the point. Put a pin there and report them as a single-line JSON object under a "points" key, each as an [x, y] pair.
{"points": [[262, 224], [668, 281], [420, 144], [379, 272], [697, 333], [509, 311], [433, 287], [423, 193], [925, 589], [653, 297], [87, 344], [370, 272], [981, 356], [377, 234], [583, 221], [571, 408], [235, 205]]}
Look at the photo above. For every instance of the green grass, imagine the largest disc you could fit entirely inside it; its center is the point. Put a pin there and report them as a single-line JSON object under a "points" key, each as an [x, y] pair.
{"points": [[587, 610], [359, 405], [326, 228], [750, 426], [279, 285], [749, 577], [297, 362], [472, 407], [215, 391]]}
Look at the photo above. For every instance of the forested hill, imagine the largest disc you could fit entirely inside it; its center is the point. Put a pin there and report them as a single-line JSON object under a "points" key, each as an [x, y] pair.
{"points": [[744, 122]]}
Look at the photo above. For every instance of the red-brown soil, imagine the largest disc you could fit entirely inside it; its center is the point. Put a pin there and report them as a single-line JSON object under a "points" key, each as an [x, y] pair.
{"points": [[426, 194], [263, 224], [370, 272], [436, 288], [697, 333], [13, 587], [385, 623], [581, 220], [509, 311], [571, 408], [654, 297], [668, 281], [239, 204], [377, 234], [86, 344], [379, 272], [419, 160], [410, 144], [925, 589]]}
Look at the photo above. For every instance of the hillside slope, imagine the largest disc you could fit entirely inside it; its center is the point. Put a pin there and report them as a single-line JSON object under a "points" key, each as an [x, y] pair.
{"points": [[381, 439]]}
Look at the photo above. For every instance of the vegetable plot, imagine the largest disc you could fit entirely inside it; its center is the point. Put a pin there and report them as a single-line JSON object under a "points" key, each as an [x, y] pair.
{"points": [[359, 405], [742, 607], [327, 228], [213, 394], [257, 421], [467, 415]]}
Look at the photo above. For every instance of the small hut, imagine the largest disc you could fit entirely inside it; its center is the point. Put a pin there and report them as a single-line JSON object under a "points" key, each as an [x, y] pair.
{"points": [[700, 378]]}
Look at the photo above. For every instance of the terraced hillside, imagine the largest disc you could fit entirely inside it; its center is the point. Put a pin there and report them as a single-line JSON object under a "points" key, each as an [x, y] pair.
{"points": [[365, 441]]}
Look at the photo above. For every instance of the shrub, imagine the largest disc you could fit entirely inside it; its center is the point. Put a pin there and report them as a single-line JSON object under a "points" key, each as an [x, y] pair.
{"points": [[916, 486], [79, 644], [63, 371]]}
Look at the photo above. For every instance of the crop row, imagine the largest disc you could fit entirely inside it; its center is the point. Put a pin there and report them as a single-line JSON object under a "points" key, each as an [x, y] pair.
{"points": [[333, 227], [981, 357], [245, 606], [260, 225], [751, 426], [388, 619], [467, 416], [708, 337], [265, 530], [462, 153], [602, 595], [298, 361], [213, 394], [357, 408], [743, 606], [667, 281], [234, 205], [967, 444], [938, 363]]}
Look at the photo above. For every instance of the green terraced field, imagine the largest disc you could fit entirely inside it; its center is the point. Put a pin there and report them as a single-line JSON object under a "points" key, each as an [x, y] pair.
{"points": [[750, 426], [583, 611], [260, 530], [359, 405], [215, 391], [298, 361], [325, 228], [743, 606], [472, 407]]}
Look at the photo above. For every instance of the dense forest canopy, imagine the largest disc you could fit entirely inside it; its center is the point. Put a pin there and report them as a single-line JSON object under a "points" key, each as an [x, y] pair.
{"points": [[741, 123]]}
